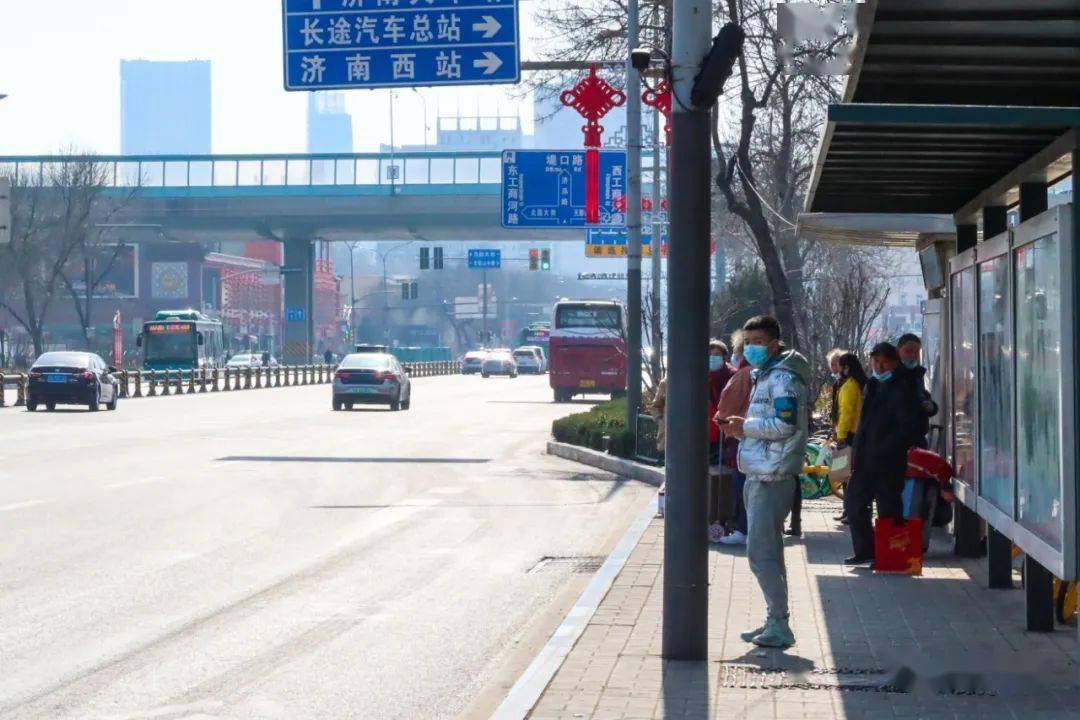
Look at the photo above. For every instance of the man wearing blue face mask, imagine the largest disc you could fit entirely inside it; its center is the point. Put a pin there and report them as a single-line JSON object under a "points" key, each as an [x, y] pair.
{"points": [[891, 422], [909, 347], [771, 454]]}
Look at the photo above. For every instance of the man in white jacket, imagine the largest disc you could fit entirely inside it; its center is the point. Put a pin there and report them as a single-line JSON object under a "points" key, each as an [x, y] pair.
{"points": [[771, 455]]}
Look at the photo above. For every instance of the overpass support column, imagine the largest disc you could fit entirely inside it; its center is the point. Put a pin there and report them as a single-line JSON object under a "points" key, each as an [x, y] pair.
{"points": [[298, 330]]}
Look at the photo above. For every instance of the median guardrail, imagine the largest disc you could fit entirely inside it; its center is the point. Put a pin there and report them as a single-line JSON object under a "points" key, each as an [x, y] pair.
{"points": [[160, 383]]}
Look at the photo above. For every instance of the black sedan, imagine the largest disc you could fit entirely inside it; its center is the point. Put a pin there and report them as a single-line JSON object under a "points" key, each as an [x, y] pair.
{"points": [[72, 378]]}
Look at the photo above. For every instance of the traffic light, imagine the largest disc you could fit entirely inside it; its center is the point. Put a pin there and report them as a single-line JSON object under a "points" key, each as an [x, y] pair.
{"points": [[534, 259], [438, 258], [404, 291], [545, 259], [414, 290], [425, 258]]}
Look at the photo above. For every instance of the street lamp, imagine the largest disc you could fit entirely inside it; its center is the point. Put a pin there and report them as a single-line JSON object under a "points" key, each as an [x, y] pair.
{"points": [[386, 301], [426, 126]]}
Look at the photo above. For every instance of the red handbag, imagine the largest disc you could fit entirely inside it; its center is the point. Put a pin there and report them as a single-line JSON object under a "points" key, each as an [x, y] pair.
{"points": [[898, 548]]}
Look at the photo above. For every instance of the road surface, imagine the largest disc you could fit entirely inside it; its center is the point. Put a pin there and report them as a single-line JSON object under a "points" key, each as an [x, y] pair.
{"points": [[256, 555]]}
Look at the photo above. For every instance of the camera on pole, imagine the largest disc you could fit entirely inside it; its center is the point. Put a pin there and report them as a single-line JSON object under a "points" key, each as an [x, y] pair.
{"points": [[717, 66]]}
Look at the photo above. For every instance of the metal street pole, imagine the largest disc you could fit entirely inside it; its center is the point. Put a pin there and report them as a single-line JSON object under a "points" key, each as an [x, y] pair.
{"points": [[655, 259], [686, 589], [485, 300], [633, 222], [352, 294]]}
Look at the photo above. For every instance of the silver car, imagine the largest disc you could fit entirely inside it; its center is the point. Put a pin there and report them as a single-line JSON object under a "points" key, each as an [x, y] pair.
{"points": [[371, 378], [499, 362]]}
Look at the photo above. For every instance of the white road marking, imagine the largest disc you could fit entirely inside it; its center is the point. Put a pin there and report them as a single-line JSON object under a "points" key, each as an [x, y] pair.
{"points": [[129, 483], [19, 505], [447, 490]]}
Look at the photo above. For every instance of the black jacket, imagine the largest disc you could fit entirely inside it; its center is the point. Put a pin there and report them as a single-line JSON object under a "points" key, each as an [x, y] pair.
{"points": [[891, 422]]}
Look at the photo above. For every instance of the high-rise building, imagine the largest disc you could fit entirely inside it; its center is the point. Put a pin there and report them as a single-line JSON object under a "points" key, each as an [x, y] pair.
{"points": [[329, 126], [165, 107]]}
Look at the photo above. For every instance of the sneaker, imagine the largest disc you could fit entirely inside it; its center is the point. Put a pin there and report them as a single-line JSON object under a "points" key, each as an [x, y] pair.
{"points": [[749, 635], [735, 538], [777, 634], [716, 533], [859, 560], [793, 532]]}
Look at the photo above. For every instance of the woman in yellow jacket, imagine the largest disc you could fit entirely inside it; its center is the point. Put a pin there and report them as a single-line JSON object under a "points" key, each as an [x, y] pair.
{"points": [[849, 378]]}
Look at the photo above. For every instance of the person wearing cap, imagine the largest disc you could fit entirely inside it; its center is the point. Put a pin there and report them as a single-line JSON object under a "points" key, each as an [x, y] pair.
{"points": [[892, 421]]}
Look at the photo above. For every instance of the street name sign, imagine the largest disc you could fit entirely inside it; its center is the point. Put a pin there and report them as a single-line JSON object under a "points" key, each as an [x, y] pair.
{"points": [[485, 259], [613, 242], [343, 44], [546, 188]]}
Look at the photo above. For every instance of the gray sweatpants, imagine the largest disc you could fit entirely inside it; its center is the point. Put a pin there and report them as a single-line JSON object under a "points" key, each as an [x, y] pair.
{"points": [[768, 502]]}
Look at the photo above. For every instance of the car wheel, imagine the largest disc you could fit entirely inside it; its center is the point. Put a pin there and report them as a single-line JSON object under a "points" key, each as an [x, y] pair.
{"points": [[31, 406], [95, 402], [336, 404], [348, 406], [484, 375], [408, 402], [111, 405], [50, 406], [395, 404]]}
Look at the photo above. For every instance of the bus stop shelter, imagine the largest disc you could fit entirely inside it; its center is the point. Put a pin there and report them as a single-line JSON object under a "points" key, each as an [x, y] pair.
{"points": [[971, 109]]}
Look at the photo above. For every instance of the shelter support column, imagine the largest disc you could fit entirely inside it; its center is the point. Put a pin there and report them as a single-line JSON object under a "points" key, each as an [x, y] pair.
{"points": [[998, 560], [967, 526], [298, 322]]}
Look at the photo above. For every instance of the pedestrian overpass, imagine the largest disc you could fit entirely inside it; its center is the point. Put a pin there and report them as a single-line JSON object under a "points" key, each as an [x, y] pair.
{"points": [[427, 196]]}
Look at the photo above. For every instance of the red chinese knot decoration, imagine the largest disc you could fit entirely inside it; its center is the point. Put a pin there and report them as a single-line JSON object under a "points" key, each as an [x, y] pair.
{"points": [[593, 98], [660, 98]]}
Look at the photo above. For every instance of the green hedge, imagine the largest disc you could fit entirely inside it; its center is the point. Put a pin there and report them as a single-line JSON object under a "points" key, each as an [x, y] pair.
{"points": [[588, 429]]}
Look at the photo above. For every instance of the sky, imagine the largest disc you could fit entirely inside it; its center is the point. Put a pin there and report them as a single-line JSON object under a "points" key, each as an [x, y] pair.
{"points": [[60, 67]]}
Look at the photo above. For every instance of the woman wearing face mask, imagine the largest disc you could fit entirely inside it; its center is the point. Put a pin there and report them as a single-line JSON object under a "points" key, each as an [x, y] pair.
{"points": [[849, 378], [719, 501]]}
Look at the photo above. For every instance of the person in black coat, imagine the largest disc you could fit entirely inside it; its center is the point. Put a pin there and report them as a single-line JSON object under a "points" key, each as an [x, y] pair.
{"points": [[891, 422]]}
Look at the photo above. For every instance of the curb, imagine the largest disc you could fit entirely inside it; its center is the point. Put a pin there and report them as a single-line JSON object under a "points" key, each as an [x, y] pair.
{"points": [[616, 465], [525, 693]]}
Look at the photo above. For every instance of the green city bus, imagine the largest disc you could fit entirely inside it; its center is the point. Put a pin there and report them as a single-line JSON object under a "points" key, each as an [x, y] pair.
{"points": [[182, 340]]}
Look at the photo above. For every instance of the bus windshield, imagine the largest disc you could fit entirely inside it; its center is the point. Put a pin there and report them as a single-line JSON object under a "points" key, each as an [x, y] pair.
{"points": [[169, 342], [605, 317]]}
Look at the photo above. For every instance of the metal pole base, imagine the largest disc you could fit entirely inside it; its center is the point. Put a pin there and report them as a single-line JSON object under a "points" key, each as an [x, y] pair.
{"points": [[1038, 596], [998, 560]]}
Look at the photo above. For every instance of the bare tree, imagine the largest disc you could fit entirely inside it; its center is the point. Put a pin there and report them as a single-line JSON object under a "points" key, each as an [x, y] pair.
{"points": [[81, 183], [42, 244]]}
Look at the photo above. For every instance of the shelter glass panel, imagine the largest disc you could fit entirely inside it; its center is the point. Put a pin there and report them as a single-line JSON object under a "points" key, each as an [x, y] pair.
{"points": [[367, 172], [176, 173], [273, 172], [322, 172], [1038, 387], [996, 453], [224, 173], [491, 170], [416, 171], [963, 375], [298, 172], [442, 171], [346, 172]]}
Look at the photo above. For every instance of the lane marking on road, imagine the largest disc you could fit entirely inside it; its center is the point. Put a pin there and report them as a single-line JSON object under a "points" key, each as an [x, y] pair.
{"points": [[20, 505], [448, 490], [129, 483]]}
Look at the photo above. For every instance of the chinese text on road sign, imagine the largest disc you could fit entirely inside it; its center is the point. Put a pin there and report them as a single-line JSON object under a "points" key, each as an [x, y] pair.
{"points": [[612, 243], [546, 188], [485, 259], [399, 43]]}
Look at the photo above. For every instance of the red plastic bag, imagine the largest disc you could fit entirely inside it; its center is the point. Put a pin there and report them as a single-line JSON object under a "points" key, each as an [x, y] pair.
{"points": [[898, 548]]}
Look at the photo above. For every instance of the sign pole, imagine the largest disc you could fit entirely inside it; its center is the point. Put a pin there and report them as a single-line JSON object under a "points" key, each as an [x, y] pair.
{"points": [[686, 588], [633, 223], [657, 249], [485, 311]]}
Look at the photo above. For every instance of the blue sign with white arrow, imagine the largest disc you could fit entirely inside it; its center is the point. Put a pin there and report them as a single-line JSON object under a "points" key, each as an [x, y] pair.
{"points": [[546, 188], [399, 43], [485, 259]]}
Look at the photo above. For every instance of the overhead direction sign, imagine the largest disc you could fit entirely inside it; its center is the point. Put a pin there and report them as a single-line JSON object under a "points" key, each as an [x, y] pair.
{"points": [[485, 259], [546, 188], [608, 243], [341, 44]]}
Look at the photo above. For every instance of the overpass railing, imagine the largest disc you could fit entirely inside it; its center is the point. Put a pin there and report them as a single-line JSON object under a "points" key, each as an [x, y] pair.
{"points": [[269, 170], [155, 383]]}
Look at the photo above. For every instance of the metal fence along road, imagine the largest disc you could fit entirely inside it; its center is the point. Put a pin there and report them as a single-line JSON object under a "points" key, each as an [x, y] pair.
{"points": [[154, 383]]}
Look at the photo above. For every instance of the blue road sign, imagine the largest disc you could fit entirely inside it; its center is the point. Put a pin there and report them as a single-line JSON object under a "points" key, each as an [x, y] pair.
{"points": [[546, 188], [399, 43], [294, 314], [485, 259]]}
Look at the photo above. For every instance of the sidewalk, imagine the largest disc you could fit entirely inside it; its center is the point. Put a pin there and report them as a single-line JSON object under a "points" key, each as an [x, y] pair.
{"points": [[964, 646]]}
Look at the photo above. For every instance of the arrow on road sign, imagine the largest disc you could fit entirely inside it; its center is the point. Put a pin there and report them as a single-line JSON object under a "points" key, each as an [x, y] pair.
{"points": [[489, 26], [489, 64]]}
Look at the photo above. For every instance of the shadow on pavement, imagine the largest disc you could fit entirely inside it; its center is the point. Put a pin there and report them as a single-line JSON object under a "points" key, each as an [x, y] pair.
{"points": [[374, 460], [686, 693]]}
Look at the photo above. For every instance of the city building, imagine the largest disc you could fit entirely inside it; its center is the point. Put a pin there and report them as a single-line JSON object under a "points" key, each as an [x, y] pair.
{"points": [[165, 107]]}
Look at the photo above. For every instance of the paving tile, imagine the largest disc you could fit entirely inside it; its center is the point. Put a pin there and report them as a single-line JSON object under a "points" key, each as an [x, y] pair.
{"points": [[844, 619]]}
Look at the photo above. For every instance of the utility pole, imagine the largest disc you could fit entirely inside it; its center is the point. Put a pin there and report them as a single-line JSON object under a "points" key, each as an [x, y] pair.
{"points": [[352, 294], [633, 221], [686, 581], [657, 247]]}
